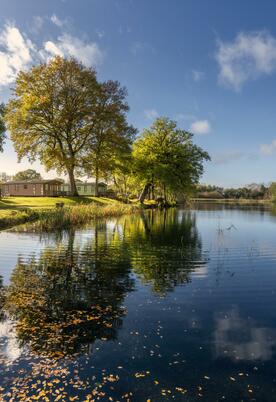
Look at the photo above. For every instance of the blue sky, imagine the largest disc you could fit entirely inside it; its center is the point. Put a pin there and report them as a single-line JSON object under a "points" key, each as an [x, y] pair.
{"points": [[210, 65]]}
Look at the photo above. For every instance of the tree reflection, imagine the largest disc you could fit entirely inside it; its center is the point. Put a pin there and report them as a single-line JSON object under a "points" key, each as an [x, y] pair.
{"points": [[70, 296], [165, 247]]}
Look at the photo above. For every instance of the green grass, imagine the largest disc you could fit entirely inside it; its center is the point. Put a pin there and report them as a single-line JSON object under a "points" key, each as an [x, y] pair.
{"points": [[77, 210], [9, 218], [50, 202], [74, 216]]}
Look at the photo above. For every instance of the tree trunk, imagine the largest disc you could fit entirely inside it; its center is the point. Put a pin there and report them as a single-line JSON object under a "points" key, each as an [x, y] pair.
{"points": [[73, 187], [144, 193], [97, 181]]}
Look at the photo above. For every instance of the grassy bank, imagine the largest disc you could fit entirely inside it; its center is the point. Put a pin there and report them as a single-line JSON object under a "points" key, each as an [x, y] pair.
{"points": [[42, 214], [19, 203], [64, 218]]}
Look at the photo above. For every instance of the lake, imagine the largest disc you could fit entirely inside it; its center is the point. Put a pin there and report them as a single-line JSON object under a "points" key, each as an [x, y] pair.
{"points": [[165, 305]]}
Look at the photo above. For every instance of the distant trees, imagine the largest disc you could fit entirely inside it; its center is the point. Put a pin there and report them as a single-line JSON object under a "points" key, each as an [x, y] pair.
{"points": [[272, 191], [2, 126], [166, 160], [29, 174], [249, 192]]}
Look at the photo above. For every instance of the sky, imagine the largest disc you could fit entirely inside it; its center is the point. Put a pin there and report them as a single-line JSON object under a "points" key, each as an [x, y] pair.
{"points": [[209, 65]]}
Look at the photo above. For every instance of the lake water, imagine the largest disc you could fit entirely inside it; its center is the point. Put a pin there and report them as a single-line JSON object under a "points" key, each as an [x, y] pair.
{"points": [[177, 305]]}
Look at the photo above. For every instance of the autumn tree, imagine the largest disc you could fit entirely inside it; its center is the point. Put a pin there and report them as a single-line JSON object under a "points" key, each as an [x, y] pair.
{"points": [[50, 114], [29, 174], [165, 156], [111, 135], [2, 127]]}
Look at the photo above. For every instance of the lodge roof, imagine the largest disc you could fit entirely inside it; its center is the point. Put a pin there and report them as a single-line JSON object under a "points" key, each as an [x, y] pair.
{"points": [[78, 183], [50, 181]]}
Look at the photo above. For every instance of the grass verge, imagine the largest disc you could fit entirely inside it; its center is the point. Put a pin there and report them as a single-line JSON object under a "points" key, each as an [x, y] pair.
{"points": [[64, 218]]}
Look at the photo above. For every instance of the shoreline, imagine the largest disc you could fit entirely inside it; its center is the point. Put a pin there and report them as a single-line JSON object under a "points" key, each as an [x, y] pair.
{"points": [[239, 201], [77, 212]]}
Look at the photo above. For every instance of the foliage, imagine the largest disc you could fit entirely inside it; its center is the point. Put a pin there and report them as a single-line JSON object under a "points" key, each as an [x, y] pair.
{"points": [[2, 126], [50, 115], [272, 191], [166, 158], [255, 192], [29, 174], [112, 136]]}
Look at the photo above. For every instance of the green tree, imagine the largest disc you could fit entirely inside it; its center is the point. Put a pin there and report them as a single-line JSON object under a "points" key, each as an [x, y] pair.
{"points": [[165, 157], [111, 135], [29, 174], [50, 115], [2, 127]]}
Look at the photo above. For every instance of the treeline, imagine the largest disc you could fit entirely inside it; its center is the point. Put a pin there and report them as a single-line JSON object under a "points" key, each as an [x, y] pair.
{"points": [[216, 192], [62, 115]]}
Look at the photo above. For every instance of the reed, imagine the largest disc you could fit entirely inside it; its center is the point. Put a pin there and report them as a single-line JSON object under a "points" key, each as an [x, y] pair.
{"points": [[11, 218], [67, 217]]}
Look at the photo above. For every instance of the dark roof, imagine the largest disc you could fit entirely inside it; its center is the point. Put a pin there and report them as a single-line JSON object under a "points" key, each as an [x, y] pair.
{"points": [[35, 181], [78, 183]]}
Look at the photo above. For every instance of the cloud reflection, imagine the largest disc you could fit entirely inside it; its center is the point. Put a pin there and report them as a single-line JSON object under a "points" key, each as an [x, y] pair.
{"points": [[241, 339]]}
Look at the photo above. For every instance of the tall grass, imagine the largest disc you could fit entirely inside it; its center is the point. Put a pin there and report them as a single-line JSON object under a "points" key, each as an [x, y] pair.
{"points": [[12, 218], [67, 217]]}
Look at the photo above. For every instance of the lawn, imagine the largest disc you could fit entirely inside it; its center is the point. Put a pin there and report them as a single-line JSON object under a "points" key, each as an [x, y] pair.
{"points": [[17, 203], [17, 210]]}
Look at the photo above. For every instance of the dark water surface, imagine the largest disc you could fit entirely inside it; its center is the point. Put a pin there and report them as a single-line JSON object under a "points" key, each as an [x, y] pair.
{"points": [[176, 305]]}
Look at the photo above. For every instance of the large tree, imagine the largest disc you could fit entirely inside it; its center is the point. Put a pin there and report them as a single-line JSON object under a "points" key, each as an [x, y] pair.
{"points": [[50, 115], [166, 157], [111, 135], [2, 127], [29, 174]]}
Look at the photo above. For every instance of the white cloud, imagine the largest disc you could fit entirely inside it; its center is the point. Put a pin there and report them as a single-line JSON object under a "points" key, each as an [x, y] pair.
{"points": [[197, 75], [58, 22], [51, 48], [150, 114], [200, 127], [66, 45], [15, 53], [247, 57], [18, 52], [268, 149]]}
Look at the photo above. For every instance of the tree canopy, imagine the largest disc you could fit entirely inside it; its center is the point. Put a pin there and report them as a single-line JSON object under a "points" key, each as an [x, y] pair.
{"points": [[2, 127], [61, 114], [50, 115], [165, 158], [112, 136], [29, 174]]}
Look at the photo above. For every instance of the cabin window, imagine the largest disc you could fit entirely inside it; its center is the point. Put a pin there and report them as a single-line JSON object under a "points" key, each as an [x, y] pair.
{"points": [[25, 186], [79, 188], [85, 189], [46, 187]]}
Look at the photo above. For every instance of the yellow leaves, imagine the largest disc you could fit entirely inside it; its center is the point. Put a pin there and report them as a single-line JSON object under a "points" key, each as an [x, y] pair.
{"points": [[182, 390]]}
